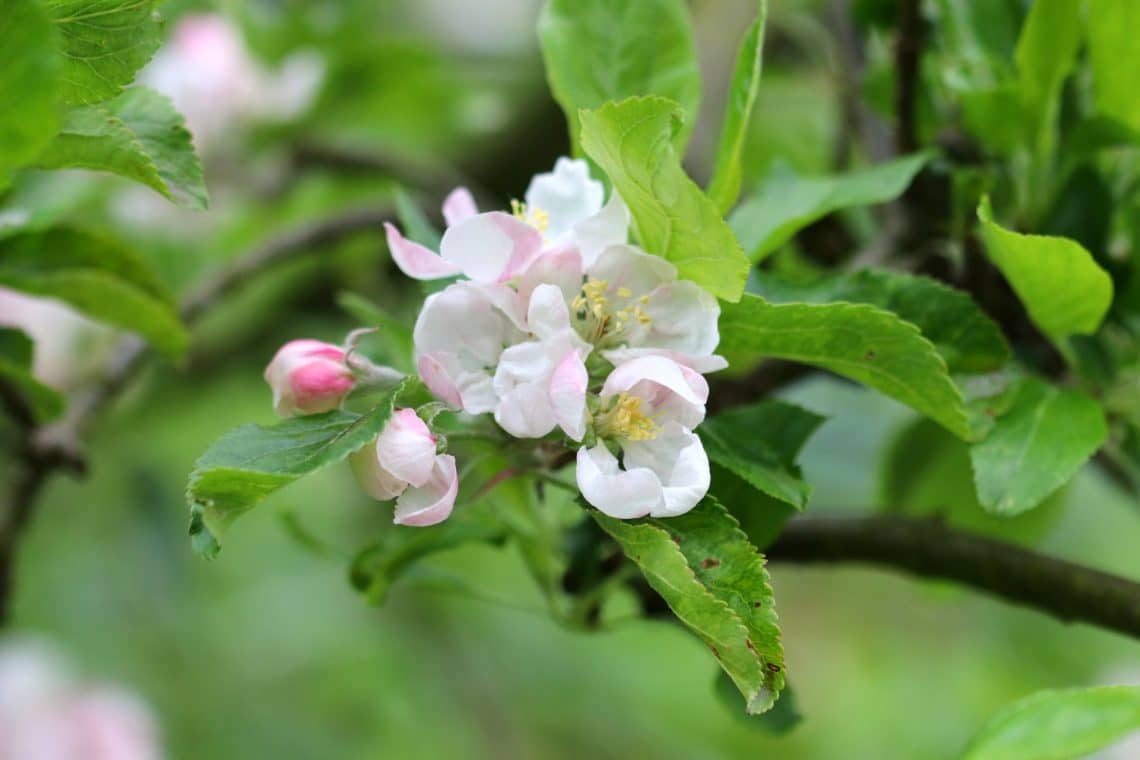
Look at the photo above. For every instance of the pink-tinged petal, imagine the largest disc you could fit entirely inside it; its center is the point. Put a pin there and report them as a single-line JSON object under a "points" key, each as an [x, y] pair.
{"points": [[372, 477], [407, 447], [436, 377], [610, 226], [308, 376], [567, 195], [618, 493], [701, 364], [525, 412], [459, 206], [678, 458], [630, 267], [431, 503], [492, 247], [561, 267], [683, 318], [415, 260], [320, 387], [568, 395], [547, 314], [670, 390]]}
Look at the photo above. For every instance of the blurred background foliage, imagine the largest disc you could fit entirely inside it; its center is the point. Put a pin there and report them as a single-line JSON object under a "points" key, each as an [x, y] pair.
{"points": [[269, 652]]}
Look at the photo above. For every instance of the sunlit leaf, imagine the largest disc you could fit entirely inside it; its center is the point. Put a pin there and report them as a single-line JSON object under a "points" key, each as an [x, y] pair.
{"points": [[29, 67]]}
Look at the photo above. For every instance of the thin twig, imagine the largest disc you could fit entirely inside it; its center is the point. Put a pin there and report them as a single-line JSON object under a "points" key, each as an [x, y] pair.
{"points": [[926, 547], [908, 54]]}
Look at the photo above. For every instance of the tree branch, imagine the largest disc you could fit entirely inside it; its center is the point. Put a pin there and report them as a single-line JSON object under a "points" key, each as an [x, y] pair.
{"points": [[926, 547], [57, 447], [908, 53]]}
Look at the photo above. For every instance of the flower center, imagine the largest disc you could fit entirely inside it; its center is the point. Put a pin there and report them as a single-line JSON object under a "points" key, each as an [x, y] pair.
{"points": [[603, 318], [625, 419], [535, 216]]}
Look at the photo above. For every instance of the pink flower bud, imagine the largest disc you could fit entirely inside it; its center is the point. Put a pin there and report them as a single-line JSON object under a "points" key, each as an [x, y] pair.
{"points": [[307, 377]]}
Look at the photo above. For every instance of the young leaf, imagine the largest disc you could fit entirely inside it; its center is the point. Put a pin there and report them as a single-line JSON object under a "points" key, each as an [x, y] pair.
{"points": [[968, 340], [29, 67], [715, 582], [138, 135], [759, 443], [1058, 281], [1036, 446], [784, 203], [1112, 26], [1058, 724], [97, 276], [250, 462], [598, 50], [1048, 43], [104, 42], [673, 218], [858, 341], [725, 186], [16, 350]]}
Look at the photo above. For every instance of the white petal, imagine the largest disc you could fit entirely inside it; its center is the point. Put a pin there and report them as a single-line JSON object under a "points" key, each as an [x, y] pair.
{"points": [[547, 314], [567, 195], [610, 226], [568, 395], [416, 261], [684, 319], [436, 374], [618, 493], [407, 447], [371, 476], [431, 503], [491, 247], [701, 364], [558, 266], [629, 266], [671, 391], [459, 206], [525, 411], [678, 458]]}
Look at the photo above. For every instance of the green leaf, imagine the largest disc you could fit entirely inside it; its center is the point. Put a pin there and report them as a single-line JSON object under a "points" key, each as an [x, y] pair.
{"points": [[1058, 281], [138, 135], [760, 443], [97, 276], [250, 462], [857, 341], [104, 42], [414, 222], [715, 582], [1058, 724], [29, 68], [724, 188], [1036, 446], [597, 50], [16, 351], [1112, 26], [632, 141], [779, 721], [784, 203], [392, 343], [1048, 43], [968, 340]]}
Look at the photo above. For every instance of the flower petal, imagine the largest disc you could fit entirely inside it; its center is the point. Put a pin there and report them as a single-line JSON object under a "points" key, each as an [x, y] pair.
{"points": [[683, 319], [618, 493], [568, 395], [701, 364], [525, 411], [406, 447], [561, 267], [371, 476], [610, 226], [416, 261], [491, 247], [547, 314], [459, 206], [432, 502], [568, 196], [434, 372], [630, 267], [677, 457]]}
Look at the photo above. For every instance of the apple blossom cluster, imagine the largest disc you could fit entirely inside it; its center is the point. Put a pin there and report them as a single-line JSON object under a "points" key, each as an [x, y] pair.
{"points": [[558, 327]]}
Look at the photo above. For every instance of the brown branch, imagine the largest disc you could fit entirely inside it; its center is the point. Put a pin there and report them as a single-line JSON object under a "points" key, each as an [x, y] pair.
{"points": [[908, 54], [926, 547], [57, 447]]}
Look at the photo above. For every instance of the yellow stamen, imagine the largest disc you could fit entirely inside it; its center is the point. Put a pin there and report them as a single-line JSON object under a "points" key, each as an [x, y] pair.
{"points": [[626, 420], [624, 292], [535, 217]]}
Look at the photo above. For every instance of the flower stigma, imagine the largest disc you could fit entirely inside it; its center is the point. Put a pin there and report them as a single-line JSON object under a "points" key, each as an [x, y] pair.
{"points": [[626, 420]]}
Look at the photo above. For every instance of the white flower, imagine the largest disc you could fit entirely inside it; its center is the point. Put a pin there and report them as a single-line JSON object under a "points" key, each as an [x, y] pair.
{"points": [[648, 408], [308, 376], [402, 464], [459, 336]]}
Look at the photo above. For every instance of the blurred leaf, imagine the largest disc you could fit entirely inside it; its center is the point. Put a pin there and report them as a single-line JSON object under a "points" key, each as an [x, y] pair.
{"points": [[715, 582], [250, 462], [29, 65], [1057, 280], [16, 351], [857, 341], [104, 42], [761, 516], [596, 51], [97, 276], [1047, 45], [725, 186], [1112, 26], [138, 135], [968, 340], [415, 223], [673, 218], [760, 443], [785, 203], [1036, 446], [1082, 211], [1058, 724], [393, 337], [781, 719]]}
